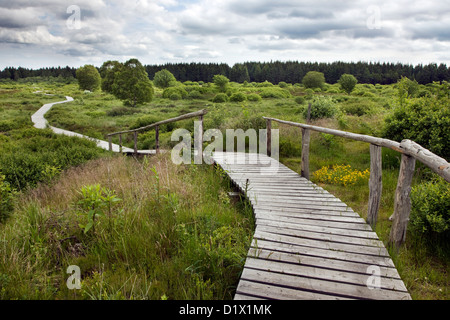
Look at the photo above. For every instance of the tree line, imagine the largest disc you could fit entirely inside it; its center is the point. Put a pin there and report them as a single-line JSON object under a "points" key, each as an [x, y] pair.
{"points": [[274, 71]]}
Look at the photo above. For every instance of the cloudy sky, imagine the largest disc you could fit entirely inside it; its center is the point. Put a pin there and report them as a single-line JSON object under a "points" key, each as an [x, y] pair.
{"points": [[44, 33]]}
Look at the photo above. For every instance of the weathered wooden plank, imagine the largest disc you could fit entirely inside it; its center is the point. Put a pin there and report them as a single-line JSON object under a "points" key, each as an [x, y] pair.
{"points": [[326, 263], [315, 222], [313, 213], [300, 202], [381, 251], [321, 286], [292, 224], [323, 274], [275, 292], [274, 245], [243, 297], [256, 195], [295, 232]]}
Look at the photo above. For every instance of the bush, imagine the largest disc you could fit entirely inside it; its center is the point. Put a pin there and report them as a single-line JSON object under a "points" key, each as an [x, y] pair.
{"points": [[347, 82], [238, 97], [423, 120], [26, 160], [275, 93], [300, 100], [264, 84], [171, 91], [254, 97], [313, 79], [163, 79], [430, 211], [220, 98], [195, 94], [322, 107]]}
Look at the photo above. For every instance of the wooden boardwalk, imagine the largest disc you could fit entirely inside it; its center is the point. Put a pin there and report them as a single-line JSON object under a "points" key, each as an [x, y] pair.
{"points": [[307, 244]]}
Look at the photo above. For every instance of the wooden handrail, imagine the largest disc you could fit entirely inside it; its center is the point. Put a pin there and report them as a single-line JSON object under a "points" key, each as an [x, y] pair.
{"points": [[410, 151], [156, 125], [182, 117]]}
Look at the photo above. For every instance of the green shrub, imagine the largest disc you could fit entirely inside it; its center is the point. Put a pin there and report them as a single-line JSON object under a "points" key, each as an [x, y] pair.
{"points": [[264, 84], [254, 97], [238, 97], [282, 84], [300, 100], [423, 120], [6, 198], [121, 111], [313, 79], [195, 94], [179, 90], [322, 107], [175, 96], [275, 93], [220, 98], [430, 211], [25, 162]]}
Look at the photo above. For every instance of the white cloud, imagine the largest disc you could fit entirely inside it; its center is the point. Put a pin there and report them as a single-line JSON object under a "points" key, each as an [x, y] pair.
{"points": [[158, 31]]}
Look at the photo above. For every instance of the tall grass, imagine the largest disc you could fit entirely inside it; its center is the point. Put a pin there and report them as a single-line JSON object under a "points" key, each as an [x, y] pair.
{"points": [[173, 234]]}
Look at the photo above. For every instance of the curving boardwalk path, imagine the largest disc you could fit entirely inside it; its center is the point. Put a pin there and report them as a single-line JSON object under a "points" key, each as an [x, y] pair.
{"points": [[307, 244], [40, 122]]}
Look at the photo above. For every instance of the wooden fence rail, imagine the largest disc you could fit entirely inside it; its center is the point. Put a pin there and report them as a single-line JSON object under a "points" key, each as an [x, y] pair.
{"points": [[410, 151], [155, 125]]}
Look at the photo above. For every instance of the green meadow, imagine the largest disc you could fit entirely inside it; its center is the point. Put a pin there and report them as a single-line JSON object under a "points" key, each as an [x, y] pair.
{"points": [[148, 229]]}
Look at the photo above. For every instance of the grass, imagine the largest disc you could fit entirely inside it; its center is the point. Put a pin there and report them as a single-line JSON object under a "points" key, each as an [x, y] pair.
{"points": [[174, 233]]}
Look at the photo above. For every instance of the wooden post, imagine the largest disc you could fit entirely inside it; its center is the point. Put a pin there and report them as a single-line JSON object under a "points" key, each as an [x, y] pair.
{"points": [[110, 142], [308, 115], [375, 185], [402, 202], [198, 142], [269, 136], [120, 144], [306, 136], [157, 139], [135, 143]]}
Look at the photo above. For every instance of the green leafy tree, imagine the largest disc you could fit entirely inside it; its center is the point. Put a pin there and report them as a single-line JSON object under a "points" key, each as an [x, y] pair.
{"points": [[406, 89], [347, 82], [239, 73], [132, 84], [163, 79], [109, 71], [221, 82], [88, 78], [313, 79]]}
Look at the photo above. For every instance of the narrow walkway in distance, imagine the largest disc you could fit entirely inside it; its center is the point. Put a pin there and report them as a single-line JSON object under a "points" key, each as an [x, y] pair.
{"points": [[307, 244], [40, 122]]}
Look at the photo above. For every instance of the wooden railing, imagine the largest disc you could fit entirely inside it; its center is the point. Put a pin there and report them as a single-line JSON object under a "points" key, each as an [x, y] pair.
{"points": [[410, 152], [156, 125]]}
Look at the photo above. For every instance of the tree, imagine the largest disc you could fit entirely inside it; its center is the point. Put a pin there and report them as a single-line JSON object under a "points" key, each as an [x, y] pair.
{"points": [[132, 84], [347, 82], [109, 71], [163, 79], [239, 73], [88, 78], [313, 79], [221, 82]]}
